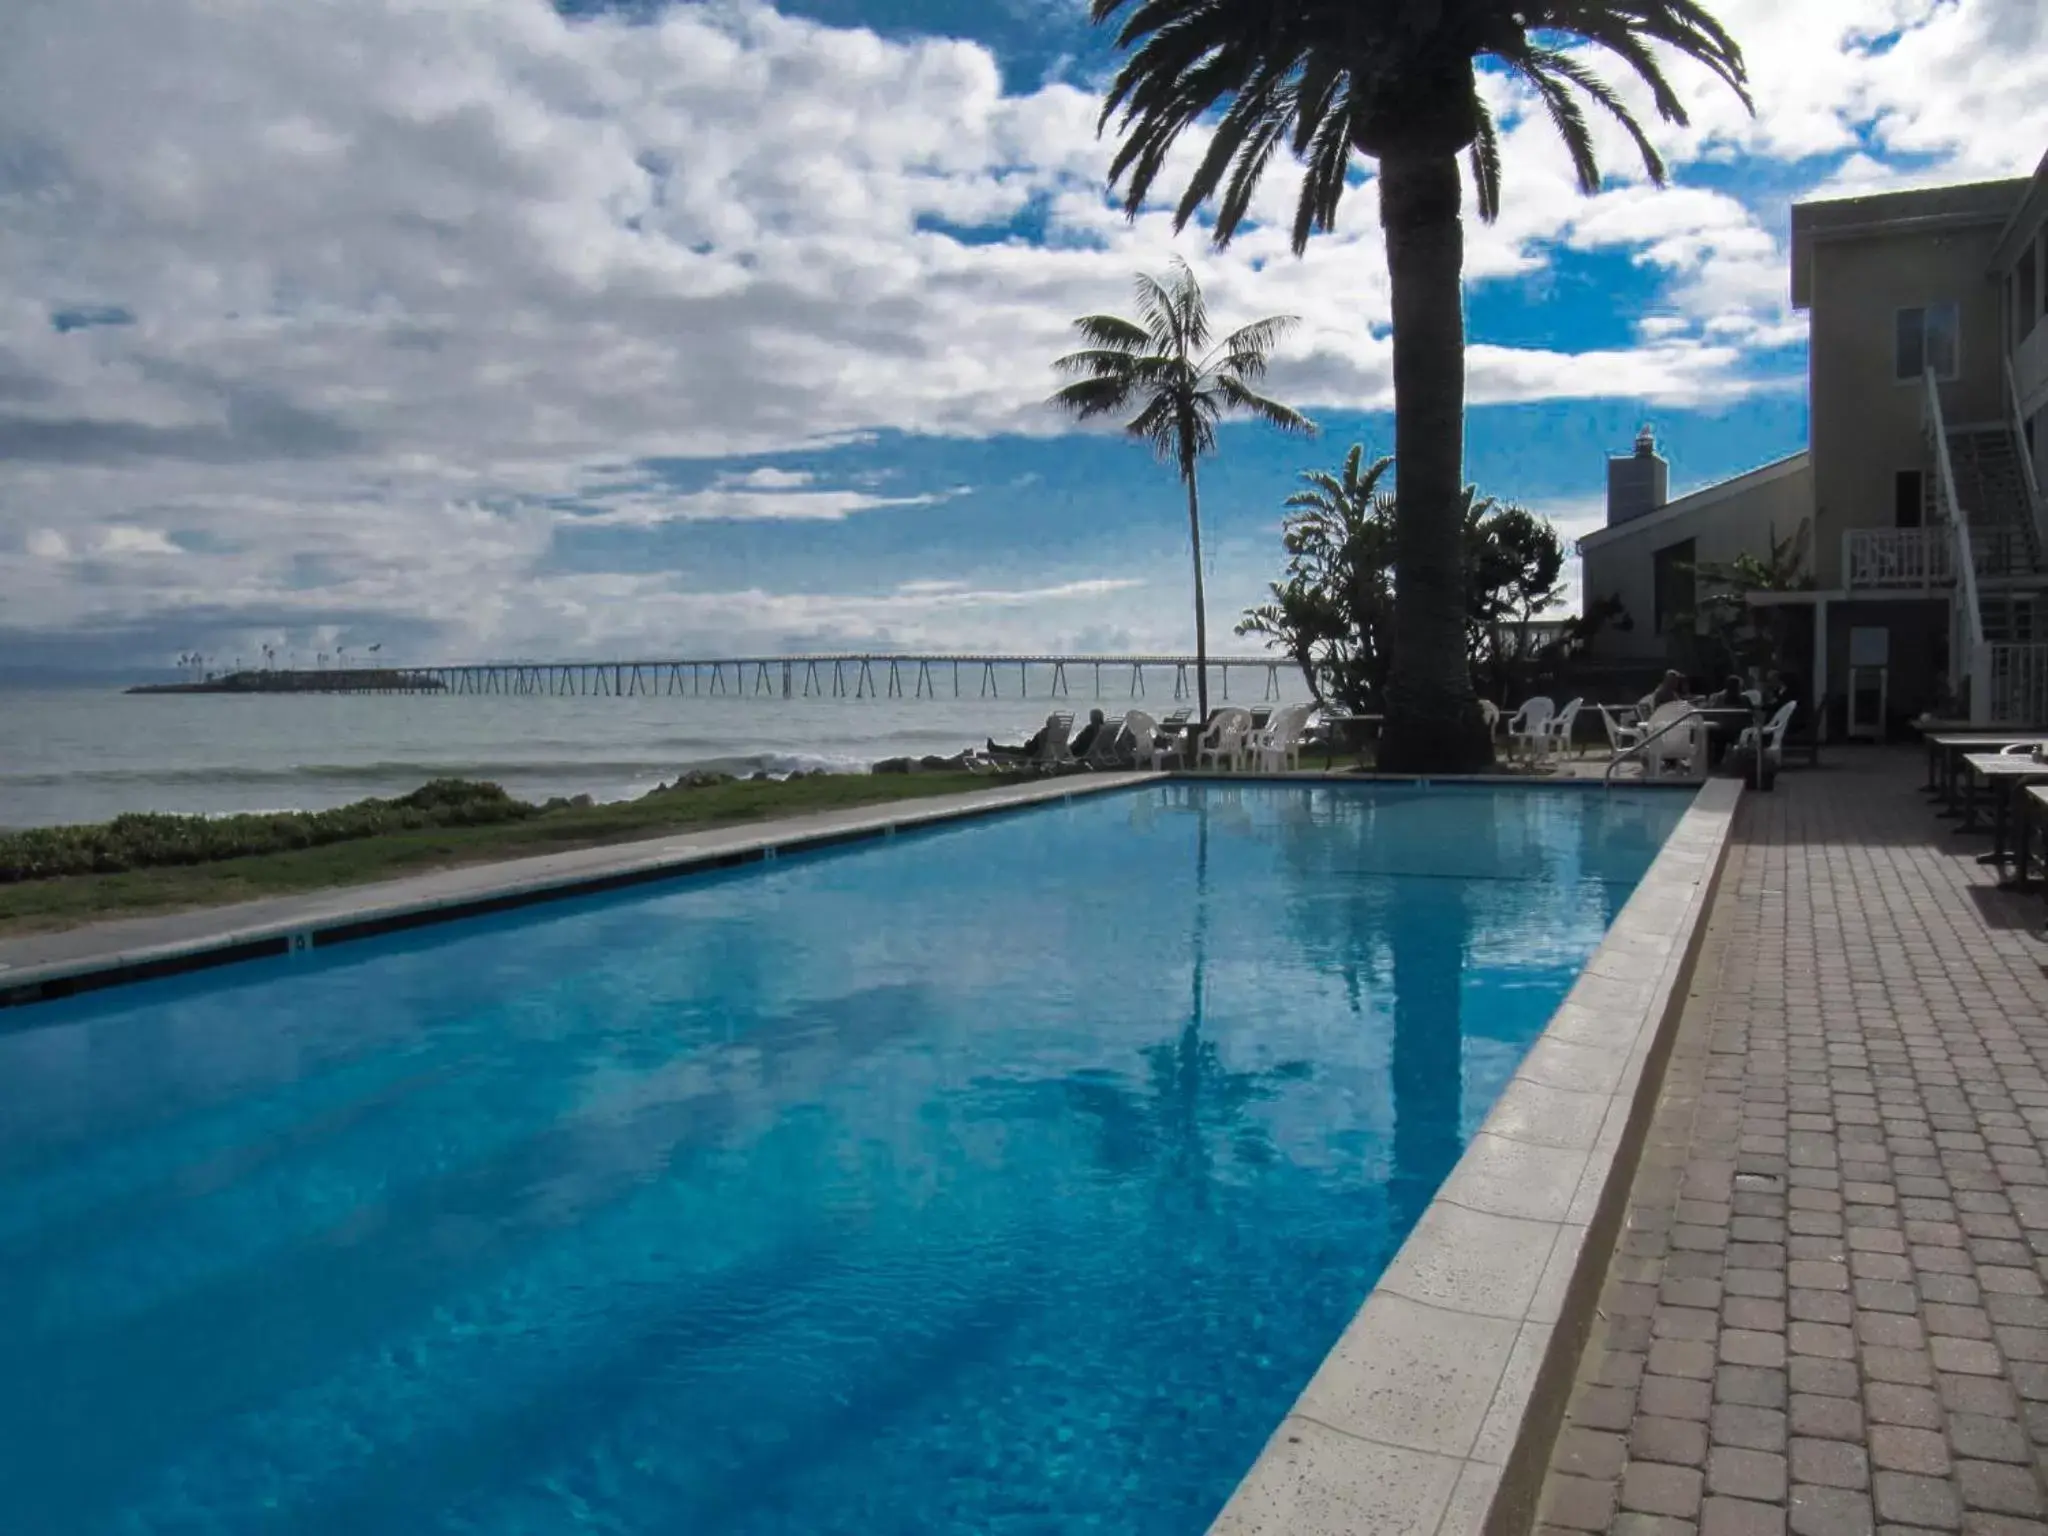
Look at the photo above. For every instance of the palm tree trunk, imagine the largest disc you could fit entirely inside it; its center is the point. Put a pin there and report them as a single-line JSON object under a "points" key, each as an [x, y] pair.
{"points": [[1432, 719], [1201, 607]]}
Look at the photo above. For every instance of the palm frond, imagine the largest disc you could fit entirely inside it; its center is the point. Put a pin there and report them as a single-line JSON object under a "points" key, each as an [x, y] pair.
{"points": [[1486, 167], [1569, 68], [1113, 333], [1088, 398], [1243, 397], [1565, 116]]}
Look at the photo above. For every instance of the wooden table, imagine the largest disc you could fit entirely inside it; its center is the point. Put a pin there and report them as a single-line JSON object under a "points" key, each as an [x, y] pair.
{"points": [[2005, 772]]}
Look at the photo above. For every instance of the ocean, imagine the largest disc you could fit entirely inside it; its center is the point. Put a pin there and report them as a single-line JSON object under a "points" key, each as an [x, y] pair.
{"points": [[85, 755]]}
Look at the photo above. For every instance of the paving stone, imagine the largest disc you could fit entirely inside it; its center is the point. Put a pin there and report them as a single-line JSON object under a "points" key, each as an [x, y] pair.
{"points": [[1741, 1474], [1740, 1517], [1981, 1438], [1815, 1511], [1590, 1453], [2000, 1488], [1578, 1503], [1830, 1463], [1672, 1398], [1754, 1429], [1834, 1418], [1658, 1489], [1911, 1499], [1681, 1441], [1896, 1448]]}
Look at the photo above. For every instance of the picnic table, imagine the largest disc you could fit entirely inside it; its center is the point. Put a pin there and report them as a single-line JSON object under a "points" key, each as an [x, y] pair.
{"points": [[2004, 773]]}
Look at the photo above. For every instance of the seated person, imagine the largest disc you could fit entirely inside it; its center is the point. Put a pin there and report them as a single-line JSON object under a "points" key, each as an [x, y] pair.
{"points": [[1032, 747], [1670, 691], [1085, 737], [1734, 694]]}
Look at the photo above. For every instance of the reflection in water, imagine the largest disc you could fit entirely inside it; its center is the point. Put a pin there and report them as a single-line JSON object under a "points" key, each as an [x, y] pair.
{"points": [[1428, 943]]}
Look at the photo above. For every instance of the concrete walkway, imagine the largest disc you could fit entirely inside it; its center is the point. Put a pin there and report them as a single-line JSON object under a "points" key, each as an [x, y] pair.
{"points": [[1826, 1313]]}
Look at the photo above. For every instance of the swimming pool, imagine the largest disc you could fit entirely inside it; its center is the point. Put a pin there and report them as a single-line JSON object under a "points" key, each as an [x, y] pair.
{"points": [[1010, 1176]]}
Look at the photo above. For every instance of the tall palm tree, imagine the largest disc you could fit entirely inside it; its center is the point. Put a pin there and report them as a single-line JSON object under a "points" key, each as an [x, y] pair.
{"points": [[1396, 81], [1163, 366]]}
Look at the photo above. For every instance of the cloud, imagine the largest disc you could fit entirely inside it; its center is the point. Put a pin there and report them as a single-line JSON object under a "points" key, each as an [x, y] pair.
{"points": [[350, 305]]}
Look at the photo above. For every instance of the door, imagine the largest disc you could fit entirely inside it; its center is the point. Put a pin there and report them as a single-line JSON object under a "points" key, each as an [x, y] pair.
{"points": [[1907, 498]]}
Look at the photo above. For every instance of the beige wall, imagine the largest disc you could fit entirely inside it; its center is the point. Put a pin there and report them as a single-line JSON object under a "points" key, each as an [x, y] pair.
{"points": [[1734, 518], [1865, 426]]}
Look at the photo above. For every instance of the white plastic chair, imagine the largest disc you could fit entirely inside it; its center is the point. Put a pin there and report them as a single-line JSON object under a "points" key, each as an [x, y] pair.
{"points": [[1143, 733], [1490, 713], [1278, 746], [1561, 728], [1620, 736], [1529, 729], [1675, 753], [1224, 738], [1774, 733]]}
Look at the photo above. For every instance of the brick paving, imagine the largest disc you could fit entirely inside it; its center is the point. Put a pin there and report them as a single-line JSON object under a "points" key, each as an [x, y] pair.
{"points": [[1826, 1314]]}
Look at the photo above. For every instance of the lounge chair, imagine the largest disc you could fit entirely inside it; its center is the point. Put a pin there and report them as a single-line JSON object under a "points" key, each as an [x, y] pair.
{"points": [[1529, 728], [1278, 746], [1106, 750], [1224, 738]]}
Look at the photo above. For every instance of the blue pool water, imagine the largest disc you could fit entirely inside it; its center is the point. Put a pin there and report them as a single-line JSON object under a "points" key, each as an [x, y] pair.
{"points": [[1010, 1177]]}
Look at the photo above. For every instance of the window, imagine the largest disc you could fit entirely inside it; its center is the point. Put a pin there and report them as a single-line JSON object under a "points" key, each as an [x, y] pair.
{"points": [[1672, 586], [1906, 499], [1926, 338]]}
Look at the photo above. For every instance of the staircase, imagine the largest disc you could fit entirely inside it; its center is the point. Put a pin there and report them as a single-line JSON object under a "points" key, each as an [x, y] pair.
{"points": [[1994, 497]]}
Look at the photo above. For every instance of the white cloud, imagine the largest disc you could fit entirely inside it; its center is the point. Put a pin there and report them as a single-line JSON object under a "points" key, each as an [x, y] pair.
{"points": [[406, 278]]}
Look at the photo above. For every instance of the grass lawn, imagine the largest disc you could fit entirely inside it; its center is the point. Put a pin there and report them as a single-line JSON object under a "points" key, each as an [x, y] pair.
{"points": [[40, 906]]}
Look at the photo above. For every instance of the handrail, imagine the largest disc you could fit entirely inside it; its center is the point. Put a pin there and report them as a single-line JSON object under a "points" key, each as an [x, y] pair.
{"points": [[2019, 447], [1945, 497], [1607, 778]]}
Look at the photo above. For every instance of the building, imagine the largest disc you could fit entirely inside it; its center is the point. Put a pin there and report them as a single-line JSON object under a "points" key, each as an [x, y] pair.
{"points": [[1927, 535]]}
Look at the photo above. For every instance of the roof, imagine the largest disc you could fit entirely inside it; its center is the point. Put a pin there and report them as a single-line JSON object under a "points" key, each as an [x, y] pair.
{"points": [[1925, 210], [1700, 500]]}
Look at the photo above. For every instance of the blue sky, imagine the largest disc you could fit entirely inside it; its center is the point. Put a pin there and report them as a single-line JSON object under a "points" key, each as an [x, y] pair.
{"points": [[501, 328]]}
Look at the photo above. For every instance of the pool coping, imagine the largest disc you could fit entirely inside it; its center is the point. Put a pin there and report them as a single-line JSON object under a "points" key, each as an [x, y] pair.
{"points": [[1436, 1409], [142, 948]]}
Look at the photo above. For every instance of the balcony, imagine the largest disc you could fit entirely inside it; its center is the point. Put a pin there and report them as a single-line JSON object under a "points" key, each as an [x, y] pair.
{"points": [[1910, 559]]}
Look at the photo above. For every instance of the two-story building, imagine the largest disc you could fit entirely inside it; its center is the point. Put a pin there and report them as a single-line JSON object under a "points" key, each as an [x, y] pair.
{"points": [[1926, 534]]}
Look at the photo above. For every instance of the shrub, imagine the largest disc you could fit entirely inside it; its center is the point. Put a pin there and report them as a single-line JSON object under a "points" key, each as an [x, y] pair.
{"points": [[151, 841]]}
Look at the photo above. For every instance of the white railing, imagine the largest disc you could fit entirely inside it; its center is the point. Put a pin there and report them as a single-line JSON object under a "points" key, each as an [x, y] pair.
{"points": [[1967, 657], [2026, 457], [2016, 683], [1899, 557]]}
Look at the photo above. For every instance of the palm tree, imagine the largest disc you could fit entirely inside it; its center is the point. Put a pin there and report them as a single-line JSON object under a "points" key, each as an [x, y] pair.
{"points": [[1163, 367], [1397, 81]]}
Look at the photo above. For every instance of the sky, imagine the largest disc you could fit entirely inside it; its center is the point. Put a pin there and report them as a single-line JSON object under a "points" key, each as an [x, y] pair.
{"points": [[475, 329]]}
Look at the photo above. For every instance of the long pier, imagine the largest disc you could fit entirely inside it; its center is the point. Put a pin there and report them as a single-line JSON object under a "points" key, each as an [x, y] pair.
{"points": [[850, 676]]}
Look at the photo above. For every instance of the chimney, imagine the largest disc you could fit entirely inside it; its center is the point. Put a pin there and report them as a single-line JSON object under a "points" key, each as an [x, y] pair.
{"points": [[1638, 483]]}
